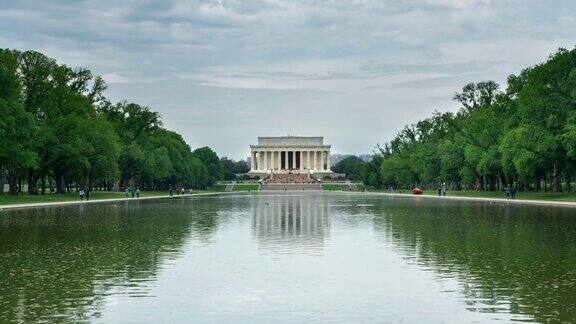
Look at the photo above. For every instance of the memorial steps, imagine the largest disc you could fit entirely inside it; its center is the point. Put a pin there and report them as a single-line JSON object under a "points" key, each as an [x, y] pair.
{"points": [[290, 181]]}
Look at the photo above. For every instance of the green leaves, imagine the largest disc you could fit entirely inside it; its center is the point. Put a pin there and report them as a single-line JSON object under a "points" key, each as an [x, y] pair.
{"points": [[57, 121], [527, 133]]}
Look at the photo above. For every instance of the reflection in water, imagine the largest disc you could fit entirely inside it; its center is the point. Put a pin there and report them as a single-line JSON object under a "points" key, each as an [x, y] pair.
{"points": [[62, 263], [508, 259], [290, 223], [291, 257]]}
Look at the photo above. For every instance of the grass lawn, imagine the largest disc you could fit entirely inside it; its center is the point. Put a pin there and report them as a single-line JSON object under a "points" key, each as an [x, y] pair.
{"points": [[29, 199], [340, 186], [546, 196], [519, 195], [246, 187]]}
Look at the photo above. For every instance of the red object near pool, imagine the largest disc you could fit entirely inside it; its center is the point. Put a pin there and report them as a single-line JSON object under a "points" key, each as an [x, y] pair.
{"points": [[417, 191]]}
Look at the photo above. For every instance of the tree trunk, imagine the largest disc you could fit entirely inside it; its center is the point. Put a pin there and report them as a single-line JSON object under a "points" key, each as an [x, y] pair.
{"points": [[31, 182], [556, 186], [43, 185], [491, 183], [13, 180], [2, 180], [59, 183], [479, 184]]}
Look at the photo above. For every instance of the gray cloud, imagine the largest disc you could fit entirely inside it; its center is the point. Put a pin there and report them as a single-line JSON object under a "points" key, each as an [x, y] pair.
{"points": [[223, 72]]}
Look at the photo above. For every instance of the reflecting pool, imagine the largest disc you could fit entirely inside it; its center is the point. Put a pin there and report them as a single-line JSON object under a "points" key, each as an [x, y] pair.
{"points": [[289, 257]]}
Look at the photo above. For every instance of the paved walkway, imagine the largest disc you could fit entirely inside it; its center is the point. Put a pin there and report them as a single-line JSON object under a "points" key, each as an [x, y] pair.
{"points": [[392, 195], [96, 201], [498, 200]]}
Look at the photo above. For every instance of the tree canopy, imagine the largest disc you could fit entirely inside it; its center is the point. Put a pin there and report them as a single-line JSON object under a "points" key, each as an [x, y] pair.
{"points": [[523, 136], [58, 130]]}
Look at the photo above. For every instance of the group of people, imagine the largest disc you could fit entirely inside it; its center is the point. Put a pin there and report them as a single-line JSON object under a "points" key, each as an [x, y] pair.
{"points": [[442, 190], [84, 194], [131, 191], [296, 178], [510, 192], [180, 191]]}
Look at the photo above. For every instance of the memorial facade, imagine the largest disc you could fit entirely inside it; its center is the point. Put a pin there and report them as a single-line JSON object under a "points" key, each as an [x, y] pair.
{"points": [[296, 154]]}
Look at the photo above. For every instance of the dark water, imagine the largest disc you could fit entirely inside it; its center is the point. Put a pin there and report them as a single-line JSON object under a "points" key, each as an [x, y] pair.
{"points": [[328, 257]]}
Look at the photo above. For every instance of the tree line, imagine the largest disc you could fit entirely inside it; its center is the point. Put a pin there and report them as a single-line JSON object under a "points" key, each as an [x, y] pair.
{"points": [[59, 131], [522, 136]]}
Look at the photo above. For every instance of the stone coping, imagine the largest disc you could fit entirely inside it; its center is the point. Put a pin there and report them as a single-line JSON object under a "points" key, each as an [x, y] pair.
{"points": [[391, 195], [484, 199], [96, 201]]}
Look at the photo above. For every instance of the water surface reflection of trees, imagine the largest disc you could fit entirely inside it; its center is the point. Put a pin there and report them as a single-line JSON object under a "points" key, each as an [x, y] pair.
{"points": [[61, 263], [517, 259]]}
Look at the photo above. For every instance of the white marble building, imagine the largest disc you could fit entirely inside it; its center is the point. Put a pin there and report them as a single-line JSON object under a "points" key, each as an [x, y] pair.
{"points": [[290, 153]]}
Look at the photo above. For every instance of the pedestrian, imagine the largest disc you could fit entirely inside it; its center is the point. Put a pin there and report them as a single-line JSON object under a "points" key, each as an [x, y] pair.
{"points": [[137, 192], [439, 191], [444, 189], [508, 192], [127, 192], [513, 192], [87, 193], [132, 191], [81, 195]]}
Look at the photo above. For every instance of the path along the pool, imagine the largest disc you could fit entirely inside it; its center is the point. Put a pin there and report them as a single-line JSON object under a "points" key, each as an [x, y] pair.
{"points": [[96, 201], [495, 200]]}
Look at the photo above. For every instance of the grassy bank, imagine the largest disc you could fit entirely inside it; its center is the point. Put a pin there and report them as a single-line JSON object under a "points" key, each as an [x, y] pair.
{"points": [[547, 196], [25, 198], [73, 196], [544, 196], [340, 186]]}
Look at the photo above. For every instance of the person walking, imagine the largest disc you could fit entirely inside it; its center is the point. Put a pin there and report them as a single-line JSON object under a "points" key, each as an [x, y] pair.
{"points": [[81, 195], [87, 194], [444, 189], [137, 192], [127, 192], [132, 192]]}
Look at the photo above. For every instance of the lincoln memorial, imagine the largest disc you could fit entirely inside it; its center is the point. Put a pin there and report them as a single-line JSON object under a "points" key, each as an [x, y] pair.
{"points": [[295, 154]]}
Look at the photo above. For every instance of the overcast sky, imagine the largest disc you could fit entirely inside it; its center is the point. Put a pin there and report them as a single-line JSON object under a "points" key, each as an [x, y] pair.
{"points": [[223, 73]]}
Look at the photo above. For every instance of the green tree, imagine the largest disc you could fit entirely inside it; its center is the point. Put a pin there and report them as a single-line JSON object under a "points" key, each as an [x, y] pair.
{"points": [[212, 163]]}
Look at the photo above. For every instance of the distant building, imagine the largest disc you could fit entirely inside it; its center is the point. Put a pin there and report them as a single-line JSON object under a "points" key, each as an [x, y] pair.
{"points": [[296, 154]]}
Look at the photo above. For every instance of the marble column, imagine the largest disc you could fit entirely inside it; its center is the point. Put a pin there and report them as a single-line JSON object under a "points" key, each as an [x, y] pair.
{"points": [[301, 160], [312, 163], [252, 161], [328, 160], [276, 159], [286, 160]]}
